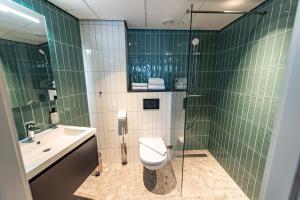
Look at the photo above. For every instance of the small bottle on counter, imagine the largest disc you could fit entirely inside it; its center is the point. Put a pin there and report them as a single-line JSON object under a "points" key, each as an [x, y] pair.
{"points": [[54, 116]]}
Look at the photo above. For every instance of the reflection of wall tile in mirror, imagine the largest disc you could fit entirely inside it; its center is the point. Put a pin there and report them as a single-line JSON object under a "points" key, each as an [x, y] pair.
{"points": [[23, 72], [26, 82], [67, 64]]}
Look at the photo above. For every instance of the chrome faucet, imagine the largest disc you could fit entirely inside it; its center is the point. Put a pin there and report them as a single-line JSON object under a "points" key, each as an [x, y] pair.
{"points": [[30, 131]]}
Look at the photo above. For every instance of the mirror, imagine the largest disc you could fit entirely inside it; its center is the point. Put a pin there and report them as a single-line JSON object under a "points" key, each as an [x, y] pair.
{"points": [[25, 55], [26, 67]]}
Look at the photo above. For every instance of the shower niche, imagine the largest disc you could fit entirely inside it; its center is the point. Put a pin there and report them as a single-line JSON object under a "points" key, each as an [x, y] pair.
{"points": [[25, 58]]}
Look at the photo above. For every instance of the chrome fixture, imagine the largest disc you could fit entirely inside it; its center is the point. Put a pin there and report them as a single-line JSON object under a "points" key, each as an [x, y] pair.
{"points": [[41, 51], [195, 41], [194, 63], [31, 130], [226, 12]]}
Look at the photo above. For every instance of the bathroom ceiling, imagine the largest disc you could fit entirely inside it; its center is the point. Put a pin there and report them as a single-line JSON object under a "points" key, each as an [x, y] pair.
{"points": [[150, 13]]}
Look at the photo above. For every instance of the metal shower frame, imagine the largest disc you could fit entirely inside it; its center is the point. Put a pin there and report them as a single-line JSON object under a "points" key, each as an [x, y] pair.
{"points": [[226, 12]]}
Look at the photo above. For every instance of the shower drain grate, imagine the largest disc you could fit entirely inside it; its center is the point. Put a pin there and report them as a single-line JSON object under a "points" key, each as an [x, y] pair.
{"points": [[203, 155]]}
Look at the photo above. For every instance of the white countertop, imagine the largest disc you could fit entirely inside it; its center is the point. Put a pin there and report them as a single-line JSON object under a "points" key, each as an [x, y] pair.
{"points": [[61, 140]]}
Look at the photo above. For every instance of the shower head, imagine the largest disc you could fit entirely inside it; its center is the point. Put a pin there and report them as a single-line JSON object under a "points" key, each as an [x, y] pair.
{"points": [[42, 52], [195, 41]]}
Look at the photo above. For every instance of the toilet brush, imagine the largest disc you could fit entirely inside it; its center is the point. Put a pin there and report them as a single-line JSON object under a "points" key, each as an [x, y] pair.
{"points": [[123, 148]]}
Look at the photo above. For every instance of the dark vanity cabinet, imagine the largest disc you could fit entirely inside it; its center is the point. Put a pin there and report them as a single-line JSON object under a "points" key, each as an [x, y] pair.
{"points": [[60, 180]]}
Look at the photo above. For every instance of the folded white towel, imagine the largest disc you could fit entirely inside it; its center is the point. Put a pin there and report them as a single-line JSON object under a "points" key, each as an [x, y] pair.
{"points": [[156, 81], [139, 88], [139, 84], [156, 87]]}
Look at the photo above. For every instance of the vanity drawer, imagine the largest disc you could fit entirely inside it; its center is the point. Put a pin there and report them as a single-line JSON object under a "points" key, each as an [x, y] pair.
{"points": [[60, 180]]}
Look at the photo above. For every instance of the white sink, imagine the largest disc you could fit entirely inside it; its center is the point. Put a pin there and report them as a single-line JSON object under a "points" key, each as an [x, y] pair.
{"points": [[73, 132], [50, 145]]}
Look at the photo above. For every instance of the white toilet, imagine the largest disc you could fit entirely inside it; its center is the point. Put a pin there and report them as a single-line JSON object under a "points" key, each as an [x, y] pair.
{"points": [[153, 153]]}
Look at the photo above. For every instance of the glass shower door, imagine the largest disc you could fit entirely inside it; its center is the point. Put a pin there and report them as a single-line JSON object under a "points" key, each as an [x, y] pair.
{"points": [[179, 49], [197, 100]]}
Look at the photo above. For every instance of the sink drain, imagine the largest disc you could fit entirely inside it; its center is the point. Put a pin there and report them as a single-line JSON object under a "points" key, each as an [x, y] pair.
{"points": [[47, 149]]}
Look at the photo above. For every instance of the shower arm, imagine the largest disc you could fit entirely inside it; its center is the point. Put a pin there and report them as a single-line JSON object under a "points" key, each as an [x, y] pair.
{"points": [[227, 12]]}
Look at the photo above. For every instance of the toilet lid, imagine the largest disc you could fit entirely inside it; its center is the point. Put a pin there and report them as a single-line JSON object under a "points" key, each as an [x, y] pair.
{"points": [[153, 151]]}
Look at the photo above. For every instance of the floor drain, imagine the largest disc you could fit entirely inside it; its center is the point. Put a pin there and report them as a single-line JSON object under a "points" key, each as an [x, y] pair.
{"points": [[201, 155]]}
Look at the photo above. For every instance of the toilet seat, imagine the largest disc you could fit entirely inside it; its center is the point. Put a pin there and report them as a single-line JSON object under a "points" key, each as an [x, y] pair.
{"points": [[153, 153]]}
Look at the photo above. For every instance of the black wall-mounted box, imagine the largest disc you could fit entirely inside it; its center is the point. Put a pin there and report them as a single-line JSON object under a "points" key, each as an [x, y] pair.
{"points": [[150, 104]]}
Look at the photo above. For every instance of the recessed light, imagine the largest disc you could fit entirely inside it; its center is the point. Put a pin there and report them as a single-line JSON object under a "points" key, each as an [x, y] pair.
{"points": [[4, 8]]}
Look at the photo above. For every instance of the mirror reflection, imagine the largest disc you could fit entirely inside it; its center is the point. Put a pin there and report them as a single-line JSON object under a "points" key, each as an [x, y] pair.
{"points": [[26, 64]]}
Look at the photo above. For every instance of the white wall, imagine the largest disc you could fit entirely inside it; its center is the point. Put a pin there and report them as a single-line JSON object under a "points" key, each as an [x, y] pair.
{"points": [[104, 52]]}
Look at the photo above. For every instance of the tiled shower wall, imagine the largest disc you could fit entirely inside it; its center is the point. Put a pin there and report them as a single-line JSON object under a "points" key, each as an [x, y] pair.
{"points": [[199, 108], [104, 50], [67, 66], [248, 80], [164, 54]]}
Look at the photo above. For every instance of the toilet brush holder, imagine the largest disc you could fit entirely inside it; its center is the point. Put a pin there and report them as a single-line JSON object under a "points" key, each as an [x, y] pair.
{"points": [[124, 153]]}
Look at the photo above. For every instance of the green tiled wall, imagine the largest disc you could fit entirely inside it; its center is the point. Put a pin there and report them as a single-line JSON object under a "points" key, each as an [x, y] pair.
{"points": [[157, 53], [163, 53], [199, 109], [67, 64], [21, 65], [24, 69], [247, 84]]}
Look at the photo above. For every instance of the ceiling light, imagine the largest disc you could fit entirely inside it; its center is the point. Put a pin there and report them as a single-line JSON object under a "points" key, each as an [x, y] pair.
{"points": [[7, 9]]}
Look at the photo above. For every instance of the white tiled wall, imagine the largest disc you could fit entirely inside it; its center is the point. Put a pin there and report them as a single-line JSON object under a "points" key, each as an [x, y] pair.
{"points": [[104, 52]]}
